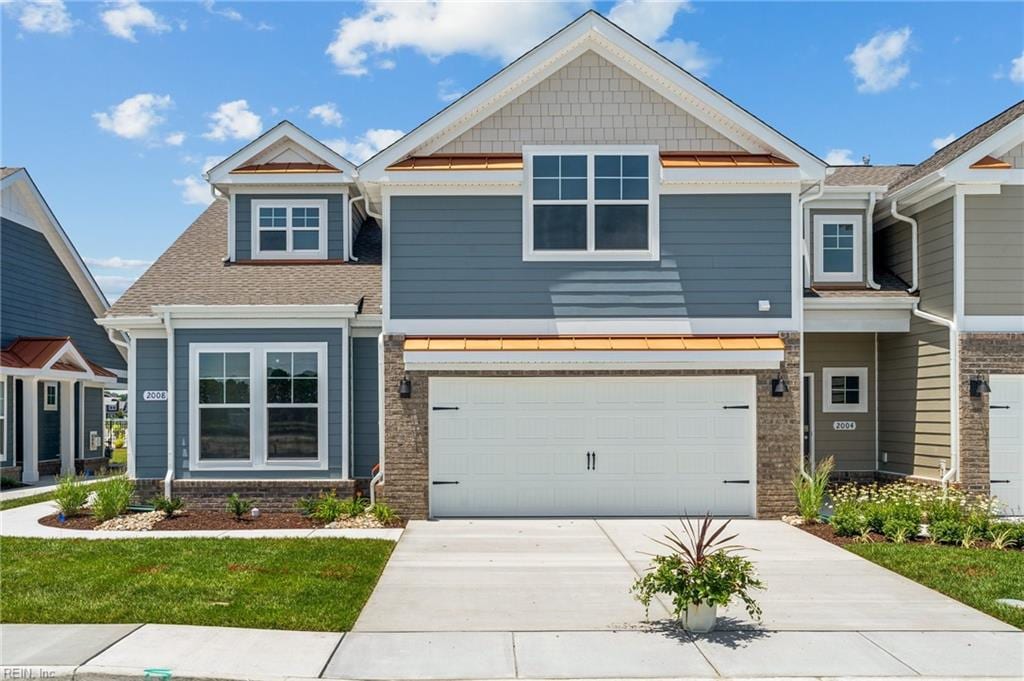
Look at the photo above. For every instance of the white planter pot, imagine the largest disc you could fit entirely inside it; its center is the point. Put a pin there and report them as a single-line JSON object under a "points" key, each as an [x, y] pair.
{"points": [[700, 619]]}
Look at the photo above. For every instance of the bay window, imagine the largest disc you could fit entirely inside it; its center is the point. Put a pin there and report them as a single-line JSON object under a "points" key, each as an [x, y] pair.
{"points": [[590, 203], [289, 229], [258, 406]]}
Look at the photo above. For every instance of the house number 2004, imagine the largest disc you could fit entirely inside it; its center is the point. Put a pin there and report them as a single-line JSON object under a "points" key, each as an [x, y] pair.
{"points": [[844, 425]]}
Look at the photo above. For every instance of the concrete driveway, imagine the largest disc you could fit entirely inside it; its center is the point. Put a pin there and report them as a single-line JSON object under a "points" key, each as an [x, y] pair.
{"points": [[574, 575]]}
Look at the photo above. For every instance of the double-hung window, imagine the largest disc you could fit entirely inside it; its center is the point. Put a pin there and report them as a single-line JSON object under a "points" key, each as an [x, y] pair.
{"points": [[590, 203], [51, 396], [258, 406], [289, 229], [837, 252]]}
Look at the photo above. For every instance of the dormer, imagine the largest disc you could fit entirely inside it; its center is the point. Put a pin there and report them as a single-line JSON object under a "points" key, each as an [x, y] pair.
{"points": [[290, 200]]}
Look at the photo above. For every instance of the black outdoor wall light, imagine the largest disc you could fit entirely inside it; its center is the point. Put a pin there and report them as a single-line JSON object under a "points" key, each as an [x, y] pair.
{"points": [[779, 386], [979, 386], [405, 388]]}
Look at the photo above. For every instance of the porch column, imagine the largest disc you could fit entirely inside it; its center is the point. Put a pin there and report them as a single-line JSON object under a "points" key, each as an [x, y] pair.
{"points": [[67, 427], [30, 429]]}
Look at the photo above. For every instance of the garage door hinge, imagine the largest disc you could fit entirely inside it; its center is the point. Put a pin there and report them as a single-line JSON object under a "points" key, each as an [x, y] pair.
{"points": [[736, 406], [445, 408]]}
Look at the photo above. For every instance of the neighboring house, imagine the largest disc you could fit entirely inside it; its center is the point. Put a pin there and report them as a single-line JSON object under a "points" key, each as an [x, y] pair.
{"points": [[54, 360], [591, 286]]}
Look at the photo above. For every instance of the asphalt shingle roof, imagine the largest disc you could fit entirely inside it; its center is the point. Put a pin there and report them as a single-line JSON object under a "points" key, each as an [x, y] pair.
{"points": [[193, 272], [847, 176]]}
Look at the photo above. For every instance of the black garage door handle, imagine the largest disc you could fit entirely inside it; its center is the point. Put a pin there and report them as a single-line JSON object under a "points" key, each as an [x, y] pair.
{"points": [[735, 482], [445, 482]]}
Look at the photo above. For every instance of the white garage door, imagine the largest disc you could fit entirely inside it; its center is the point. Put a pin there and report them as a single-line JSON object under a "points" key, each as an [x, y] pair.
{"points": [[592, 446], [1006, 441]]}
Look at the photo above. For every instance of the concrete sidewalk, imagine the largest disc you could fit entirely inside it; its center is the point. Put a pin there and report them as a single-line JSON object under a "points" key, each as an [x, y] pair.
{"points": [[210, 653], [24, 522]]}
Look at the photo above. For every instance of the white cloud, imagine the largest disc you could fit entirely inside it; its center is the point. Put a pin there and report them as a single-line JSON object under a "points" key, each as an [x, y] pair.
{"points": [[234, 120], [447, 91], [366, 145], [651, 21], [122, 17], [194, 190], [878, 64], [840, 157], [117, 263], [175, 139], [386, 64], [940, 142], [1017, 69], [135, 117], [43, 16], [327, 113], [227, 13], [499, 30]]}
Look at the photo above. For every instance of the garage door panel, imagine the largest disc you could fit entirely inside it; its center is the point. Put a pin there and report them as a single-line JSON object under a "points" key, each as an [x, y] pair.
{"points": [[662, 447], [1006, 441]]}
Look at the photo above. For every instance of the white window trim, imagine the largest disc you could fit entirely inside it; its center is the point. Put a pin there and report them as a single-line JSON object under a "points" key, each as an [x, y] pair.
{"points": [[826, 390], [289, 253], [47, 405], [653, 251], [3, 418], [257, 408], [858, 248]]}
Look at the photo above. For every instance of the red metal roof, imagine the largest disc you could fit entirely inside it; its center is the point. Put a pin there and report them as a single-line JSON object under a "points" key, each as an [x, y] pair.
{"points": [[35, 352], [296, 167]]}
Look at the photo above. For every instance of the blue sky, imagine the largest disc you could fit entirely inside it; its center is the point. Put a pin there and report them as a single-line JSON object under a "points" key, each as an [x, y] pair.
{"points": [[116, 107]]}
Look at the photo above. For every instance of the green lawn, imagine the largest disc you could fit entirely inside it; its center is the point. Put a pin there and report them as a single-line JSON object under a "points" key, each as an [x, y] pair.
{"points": [[976, 577], [303, 584]]}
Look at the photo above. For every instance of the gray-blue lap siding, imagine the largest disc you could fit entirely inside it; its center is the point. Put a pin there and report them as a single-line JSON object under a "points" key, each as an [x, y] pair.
{"points": [[92, 416], [461, 257], [335, 221], [38, 297], [150, 434], [365, 407], [49, 424]]}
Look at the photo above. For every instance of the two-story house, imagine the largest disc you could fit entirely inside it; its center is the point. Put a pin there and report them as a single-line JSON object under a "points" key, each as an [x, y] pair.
{"points": [[54, 361], [591, 286]]}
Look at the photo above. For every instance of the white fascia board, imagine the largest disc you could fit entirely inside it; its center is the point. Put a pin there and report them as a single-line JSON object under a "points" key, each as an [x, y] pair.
{"points": [[978, 176], [219, 172], [401, 178], [124, 323], [182, 312], [879, 320], [861, 303], [926, 196], [287, 179], [738, 175], [367, 320], [579, 326], [57, 375], [992, 323], [585, 360], [780, 187], [864, 189], [592, 32], [997, 144]]}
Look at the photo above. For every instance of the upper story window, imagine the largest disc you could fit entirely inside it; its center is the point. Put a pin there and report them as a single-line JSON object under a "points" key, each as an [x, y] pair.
{"points": [[590, 203], [289, 229], [838, 243]]}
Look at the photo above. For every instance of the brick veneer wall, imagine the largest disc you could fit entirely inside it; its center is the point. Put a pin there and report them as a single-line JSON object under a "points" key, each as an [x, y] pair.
{"points": [[982, 354], [267, 495], [406, 485]]}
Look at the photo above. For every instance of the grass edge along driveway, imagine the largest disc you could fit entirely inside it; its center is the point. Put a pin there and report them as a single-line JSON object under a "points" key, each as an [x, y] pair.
{"points": [[299, 584], [975, 577]]}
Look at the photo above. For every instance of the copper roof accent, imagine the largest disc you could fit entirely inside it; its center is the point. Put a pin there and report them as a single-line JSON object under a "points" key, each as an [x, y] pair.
{"points": [[286, 168], [35, 352], [990, 163], [461, 162], [679, 159], [583, 343]]}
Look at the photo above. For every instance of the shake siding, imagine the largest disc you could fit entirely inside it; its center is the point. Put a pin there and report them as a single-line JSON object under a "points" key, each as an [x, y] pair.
{"points": [[462, 257], [994, 243], [150, 417], [335, 221], [854, 450], [365, 389], [38, 297], [914, 400]]}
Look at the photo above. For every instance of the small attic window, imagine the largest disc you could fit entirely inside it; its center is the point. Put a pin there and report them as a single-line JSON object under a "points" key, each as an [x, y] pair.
{"points": [[289, 229]]}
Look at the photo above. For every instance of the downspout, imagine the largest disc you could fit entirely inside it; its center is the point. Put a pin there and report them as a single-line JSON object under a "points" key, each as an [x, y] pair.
{"points": [[894, 211], [348, 235], [118, 343], [813, 194], [954, 391], [170, 405], [869, 231]]}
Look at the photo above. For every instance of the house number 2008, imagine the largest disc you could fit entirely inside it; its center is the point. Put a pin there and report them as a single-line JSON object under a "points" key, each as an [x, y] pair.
{"points": [[844, 425], [154, 395]]}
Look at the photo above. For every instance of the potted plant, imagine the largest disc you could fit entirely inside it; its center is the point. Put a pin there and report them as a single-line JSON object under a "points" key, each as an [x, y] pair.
{"points": [[701, 573]]}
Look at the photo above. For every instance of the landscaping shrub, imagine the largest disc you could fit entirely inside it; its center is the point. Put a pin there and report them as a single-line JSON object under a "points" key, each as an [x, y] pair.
{"points": [[113, 496], [327, 507], [848, 520], [898, 529], [1006, 535], [810, 492], [71, 495], [238, 507], [355, 507], [169, 506], [384, 514], [948, 531], [7, 482]]}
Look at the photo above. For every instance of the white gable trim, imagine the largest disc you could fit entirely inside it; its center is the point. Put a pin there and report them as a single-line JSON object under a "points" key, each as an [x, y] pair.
{"points": [[594, 32], [46, 222], [284, 129]]}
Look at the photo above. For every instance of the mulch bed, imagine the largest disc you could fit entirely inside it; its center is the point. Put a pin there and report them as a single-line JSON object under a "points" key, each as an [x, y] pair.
{"points": [[81, 522], [825, 531], [220, 520]]}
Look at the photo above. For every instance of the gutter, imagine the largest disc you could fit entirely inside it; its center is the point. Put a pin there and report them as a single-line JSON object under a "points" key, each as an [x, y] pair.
{"points": [[812, 195], [914, 256], [954, 393], [348, 233], [170, 404], [869, 234]]}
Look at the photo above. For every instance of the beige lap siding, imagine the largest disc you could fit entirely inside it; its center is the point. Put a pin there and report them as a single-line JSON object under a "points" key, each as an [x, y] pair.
{"points": [[982, 354], [406, 456], [854, 450]]}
